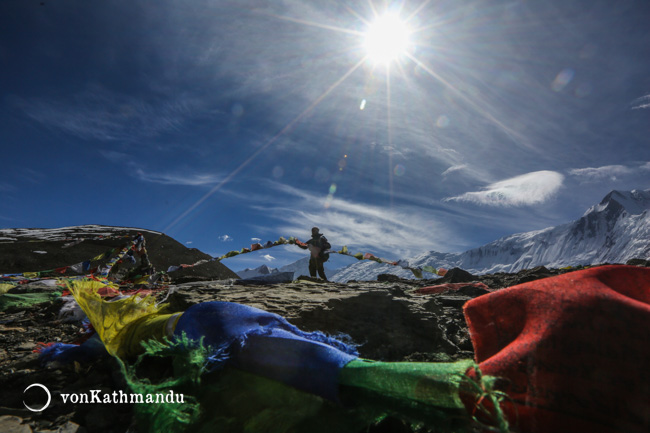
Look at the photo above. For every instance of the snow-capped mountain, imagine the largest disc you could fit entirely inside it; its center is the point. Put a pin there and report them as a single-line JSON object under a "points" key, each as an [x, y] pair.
{"points": [[613, 231], [299, 267], [257, 272]]}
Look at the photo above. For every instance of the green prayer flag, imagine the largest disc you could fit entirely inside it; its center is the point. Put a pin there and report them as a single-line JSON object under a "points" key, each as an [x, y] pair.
{"points": [[429, 269], [436, 384]]}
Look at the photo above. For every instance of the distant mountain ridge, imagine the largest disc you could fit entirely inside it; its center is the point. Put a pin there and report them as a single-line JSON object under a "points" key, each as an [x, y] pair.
{"points": [[38, 249], [257, 272], [613, 231], [299, 267]]}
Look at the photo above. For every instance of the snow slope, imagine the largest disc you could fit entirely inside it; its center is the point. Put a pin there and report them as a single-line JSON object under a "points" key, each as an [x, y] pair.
{"points": [[613, 231]]}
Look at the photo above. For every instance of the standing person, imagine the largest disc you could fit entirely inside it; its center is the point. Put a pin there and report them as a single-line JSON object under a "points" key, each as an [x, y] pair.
{"points": [[317, 246]]}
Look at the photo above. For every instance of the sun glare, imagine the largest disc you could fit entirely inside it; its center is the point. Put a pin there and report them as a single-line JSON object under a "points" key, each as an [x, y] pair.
{"points": [[386, 39]]}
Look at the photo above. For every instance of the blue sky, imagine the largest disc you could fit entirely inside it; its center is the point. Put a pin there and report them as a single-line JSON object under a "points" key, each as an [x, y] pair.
{"points": [[219, 122]]}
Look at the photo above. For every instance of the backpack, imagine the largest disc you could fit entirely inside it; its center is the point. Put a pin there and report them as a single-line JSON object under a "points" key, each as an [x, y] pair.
{"points": [[324, 245]]}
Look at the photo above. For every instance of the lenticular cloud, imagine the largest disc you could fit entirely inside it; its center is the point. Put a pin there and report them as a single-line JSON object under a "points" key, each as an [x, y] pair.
{"points": [[527, 189]]}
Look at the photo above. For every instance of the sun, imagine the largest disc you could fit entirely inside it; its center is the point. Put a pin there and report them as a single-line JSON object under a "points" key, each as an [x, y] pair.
{"points": [[387, 39]]}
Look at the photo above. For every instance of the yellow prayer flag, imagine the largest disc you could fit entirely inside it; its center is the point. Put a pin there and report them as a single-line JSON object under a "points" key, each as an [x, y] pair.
{"points": [[112, 319], [5, 287]]}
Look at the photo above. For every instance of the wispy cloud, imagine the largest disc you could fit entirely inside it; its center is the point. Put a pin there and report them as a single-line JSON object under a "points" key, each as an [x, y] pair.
{"points": [[268, 257], [527, 189], [454, 168], [97, 114], [225, 238], [391, 232], [643, 102], [610, 172], [5, 187], [256, 239], [462, 172], [114, 156], [164, 178], [32, 176], [178, 179]]}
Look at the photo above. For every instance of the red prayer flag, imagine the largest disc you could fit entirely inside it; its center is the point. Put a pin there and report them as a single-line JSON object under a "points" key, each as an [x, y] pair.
{"points": [[574, 348]]}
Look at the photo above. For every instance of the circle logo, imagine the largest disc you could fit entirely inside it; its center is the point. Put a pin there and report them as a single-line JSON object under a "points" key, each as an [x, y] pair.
{"points": [[47, 391]]}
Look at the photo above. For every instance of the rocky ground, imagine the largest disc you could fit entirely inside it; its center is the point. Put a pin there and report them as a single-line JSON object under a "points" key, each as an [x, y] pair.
{"points": [[386, 318]]}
